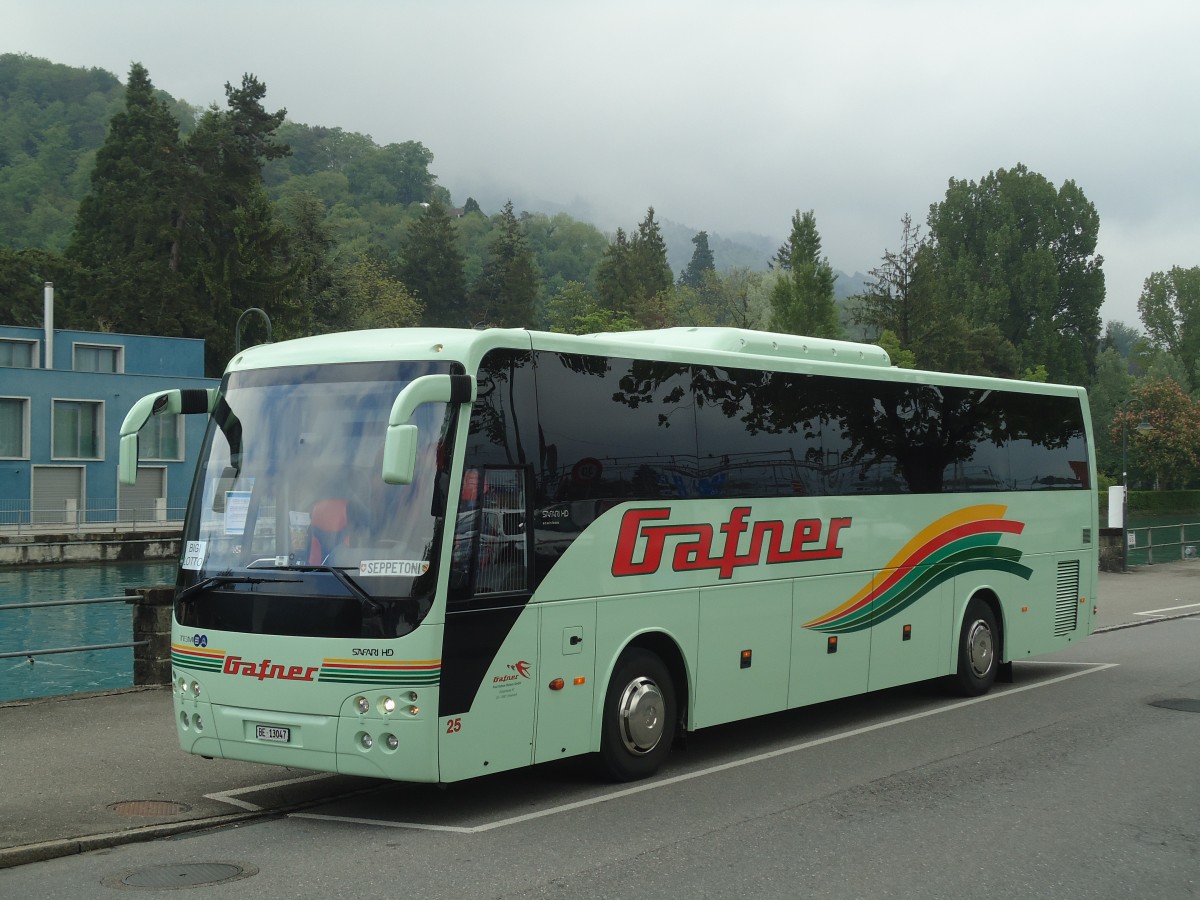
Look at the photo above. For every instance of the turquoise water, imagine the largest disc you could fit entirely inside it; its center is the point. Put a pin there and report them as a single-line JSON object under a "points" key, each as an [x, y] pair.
{"points": [[70, 626]]}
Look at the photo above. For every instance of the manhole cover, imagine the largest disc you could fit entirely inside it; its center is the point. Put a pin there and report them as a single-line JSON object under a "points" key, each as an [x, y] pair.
{"points": [[1186, 704], [182, 875], [148, 807]]}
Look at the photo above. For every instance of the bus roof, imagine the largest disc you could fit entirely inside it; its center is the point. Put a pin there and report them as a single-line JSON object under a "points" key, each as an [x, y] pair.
{"points": [[714, 346]]}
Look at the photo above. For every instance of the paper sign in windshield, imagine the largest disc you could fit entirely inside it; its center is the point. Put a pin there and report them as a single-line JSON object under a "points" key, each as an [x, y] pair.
{"points": [[394, 567], [237, 505], [193, 555]]}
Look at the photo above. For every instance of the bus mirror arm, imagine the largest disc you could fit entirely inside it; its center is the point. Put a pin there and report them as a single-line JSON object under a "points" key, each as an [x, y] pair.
{"points": [[400, 443], [188, 401]]}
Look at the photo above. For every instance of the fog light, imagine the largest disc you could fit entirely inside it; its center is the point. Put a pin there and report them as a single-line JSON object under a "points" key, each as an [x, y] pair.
{"points": [[197, 722], [363, 704], [183, 720], [388, 705], [366, 741], [391, 741]]}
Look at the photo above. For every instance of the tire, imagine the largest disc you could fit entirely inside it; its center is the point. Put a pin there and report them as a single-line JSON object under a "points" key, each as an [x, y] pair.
{"points": [[640, 717], [978, 651]]}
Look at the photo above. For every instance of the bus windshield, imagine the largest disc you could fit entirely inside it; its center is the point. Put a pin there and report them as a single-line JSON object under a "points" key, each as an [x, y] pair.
{"points": [[291, 528]]}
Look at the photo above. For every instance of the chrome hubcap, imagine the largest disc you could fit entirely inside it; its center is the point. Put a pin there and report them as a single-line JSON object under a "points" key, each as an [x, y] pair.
{"points": [[980, 648], [640, 712]]}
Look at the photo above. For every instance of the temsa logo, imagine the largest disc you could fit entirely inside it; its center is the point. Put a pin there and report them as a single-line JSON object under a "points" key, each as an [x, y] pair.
{"points": [[644, 534], [235, 665]]}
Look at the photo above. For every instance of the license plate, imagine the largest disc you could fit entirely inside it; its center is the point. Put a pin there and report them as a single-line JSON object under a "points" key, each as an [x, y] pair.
{"points": [[273, 733]]}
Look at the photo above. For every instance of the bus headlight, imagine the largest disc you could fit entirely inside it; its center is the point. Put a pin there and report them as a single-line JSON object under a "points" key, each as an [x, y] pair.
{"points": [[362, 704], [388, 705], [391, 741], [366, 741]]}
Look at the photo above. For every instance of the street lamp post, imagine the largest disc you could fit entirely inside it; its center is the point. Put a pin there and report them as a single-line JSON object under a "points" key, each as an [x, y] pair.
{"points": [[1142, 427]]}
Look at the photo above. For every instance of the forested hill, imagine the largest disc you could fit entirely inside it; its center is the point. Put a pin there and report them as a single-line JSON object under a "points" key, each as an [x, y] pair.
{"points": [[54, 117]]}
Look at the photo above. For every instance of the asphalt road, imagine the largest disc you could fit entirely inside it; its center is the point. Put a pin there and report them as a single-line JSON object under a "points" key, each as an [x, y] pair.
{"points": [[1068, 783]]}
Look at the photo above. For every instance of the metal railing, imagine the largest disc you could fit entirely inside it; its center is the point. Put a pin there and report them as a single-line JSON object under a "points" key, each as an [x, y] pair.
{"points": [[95, 514], [1166, 542], [30, 654]]}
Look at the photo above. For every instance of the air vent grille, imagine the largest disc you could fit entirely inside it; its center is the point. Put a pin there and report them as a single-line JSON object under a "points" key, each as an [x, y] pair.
{"points": [[1066, 598]]}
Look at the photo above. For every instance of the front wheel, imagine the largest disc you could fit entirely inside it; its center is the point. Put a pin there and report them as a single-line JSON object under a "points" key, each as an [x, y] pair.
{"points": [[978, 651], [639, 716]]}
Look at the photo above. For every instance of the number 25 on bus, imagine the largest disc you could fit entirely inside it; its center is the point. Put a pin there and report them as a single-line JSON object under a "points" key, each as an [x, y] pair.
{"points": [[432, 554]]}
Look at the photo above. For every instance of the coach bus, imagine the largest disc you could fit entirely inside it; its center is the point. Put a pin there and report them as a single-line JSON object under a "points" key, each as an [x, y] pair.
{"points": [[429, 555]]}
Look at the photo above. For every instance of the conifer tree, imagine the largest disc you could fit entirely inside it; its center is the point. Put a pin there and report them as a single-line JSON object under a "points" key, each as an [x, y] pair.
{"points": [[802, 301], [431, 266], [507, 291], [701, 262]]}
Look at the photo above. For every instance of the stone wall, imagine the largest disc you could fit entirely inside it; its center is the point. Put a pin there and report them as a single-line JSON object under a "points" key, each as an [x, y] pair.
{"points": [[46, 549]]}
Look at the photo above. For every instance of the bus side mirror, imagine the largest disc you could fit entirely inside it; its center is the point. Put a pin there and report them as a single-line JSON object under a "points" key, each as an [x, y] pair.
{"points": [[189, 401], [400, 443]]}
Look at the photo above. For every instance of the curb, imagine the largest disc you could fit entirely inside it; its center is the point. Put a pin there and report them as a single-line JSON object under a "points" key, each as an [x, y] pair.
{"points": [[23, 854]]}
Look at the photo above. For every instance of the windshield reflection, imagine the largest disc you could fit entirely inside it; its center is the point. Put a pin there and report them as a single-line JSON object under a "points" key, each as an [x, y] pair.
{"points": [[290, 480]]}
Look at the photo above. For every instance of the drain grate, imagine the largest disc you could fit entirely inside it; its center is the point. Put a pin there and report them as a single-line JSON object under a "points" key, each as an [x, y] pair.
{"points": [[181, 875], [148, 808], [1186, 704]]}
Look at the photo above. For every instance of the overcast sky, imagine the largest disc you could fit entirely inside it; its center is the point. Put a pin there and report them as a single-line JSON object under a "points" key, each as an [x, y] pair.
{"points": [[723, 116]]}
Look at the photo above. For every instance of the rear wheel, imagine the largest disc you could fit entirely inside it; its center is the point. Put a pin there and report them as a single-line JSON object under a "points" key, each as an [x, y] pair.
{"points": [[639, 716], [978, 651]]}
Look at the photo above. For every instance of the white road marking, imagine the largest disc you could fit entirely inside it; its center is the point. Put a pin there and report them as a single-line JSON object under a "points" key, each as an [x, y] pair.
{"points": [[1168, 609], [712, 770], [230, 797]]}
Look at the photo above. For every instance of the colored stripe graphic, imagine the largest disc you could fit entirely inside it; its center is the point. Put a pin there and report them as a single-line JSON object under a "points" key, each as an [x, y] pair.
{"points": [[401, 673], [964, 541], [188, 657]]}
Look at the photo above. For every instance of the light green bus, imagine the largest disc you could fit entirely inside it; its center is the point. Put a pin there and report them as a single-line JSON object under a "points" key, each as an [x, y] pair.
{"points": [[428, 555]]}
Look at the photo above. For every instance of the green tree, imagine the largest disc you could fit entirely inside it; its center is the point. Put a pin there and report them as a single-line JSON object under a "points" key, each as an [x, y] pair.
{"points": [[1170, 311], [431, 266], [1015, 252], [397, 174], [901, 358], [701, 262], [651, 273], [127, 225], [575, 310], [377, 299], [507, 291], [1110, 389], [229, 244], [803, 299], [564, 248], [896, 298], [617, 286], [23, 275]]}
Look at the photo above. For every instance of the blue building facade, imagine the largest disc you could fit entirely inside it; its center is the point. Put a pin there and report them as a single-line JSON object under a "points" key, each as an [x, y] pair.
{"points": [[63, 396]]}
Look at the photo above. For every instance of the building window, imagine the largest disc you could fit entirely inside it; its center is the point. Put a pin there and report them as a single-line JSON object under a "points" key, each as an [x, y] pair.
{"points": [[98, 358], [18, 354], [162, 437], [78, 427], [14, 427]]}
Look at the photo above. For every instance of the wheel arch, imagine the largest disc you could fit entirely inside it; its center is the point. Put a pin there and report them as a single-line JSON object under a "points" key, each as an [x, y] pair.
{"points": [[985, 594], [665, 647]]}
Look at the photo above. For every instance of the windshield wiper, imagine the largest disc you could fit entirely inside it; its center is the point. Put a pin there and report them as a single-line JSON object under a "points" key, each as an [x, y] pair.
{"points": [[214, 580], [365, 600]]}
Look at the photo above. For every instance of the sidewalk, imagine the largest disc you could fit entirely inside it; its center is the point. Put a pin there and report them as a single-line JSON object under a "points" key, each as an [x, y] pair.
{"points": [[90, 771]]}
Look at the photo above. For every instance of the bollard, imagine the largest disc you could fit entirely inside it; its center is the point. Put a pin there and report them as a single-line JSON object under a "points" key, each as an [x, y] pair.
{"points": [[152, 618]]}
